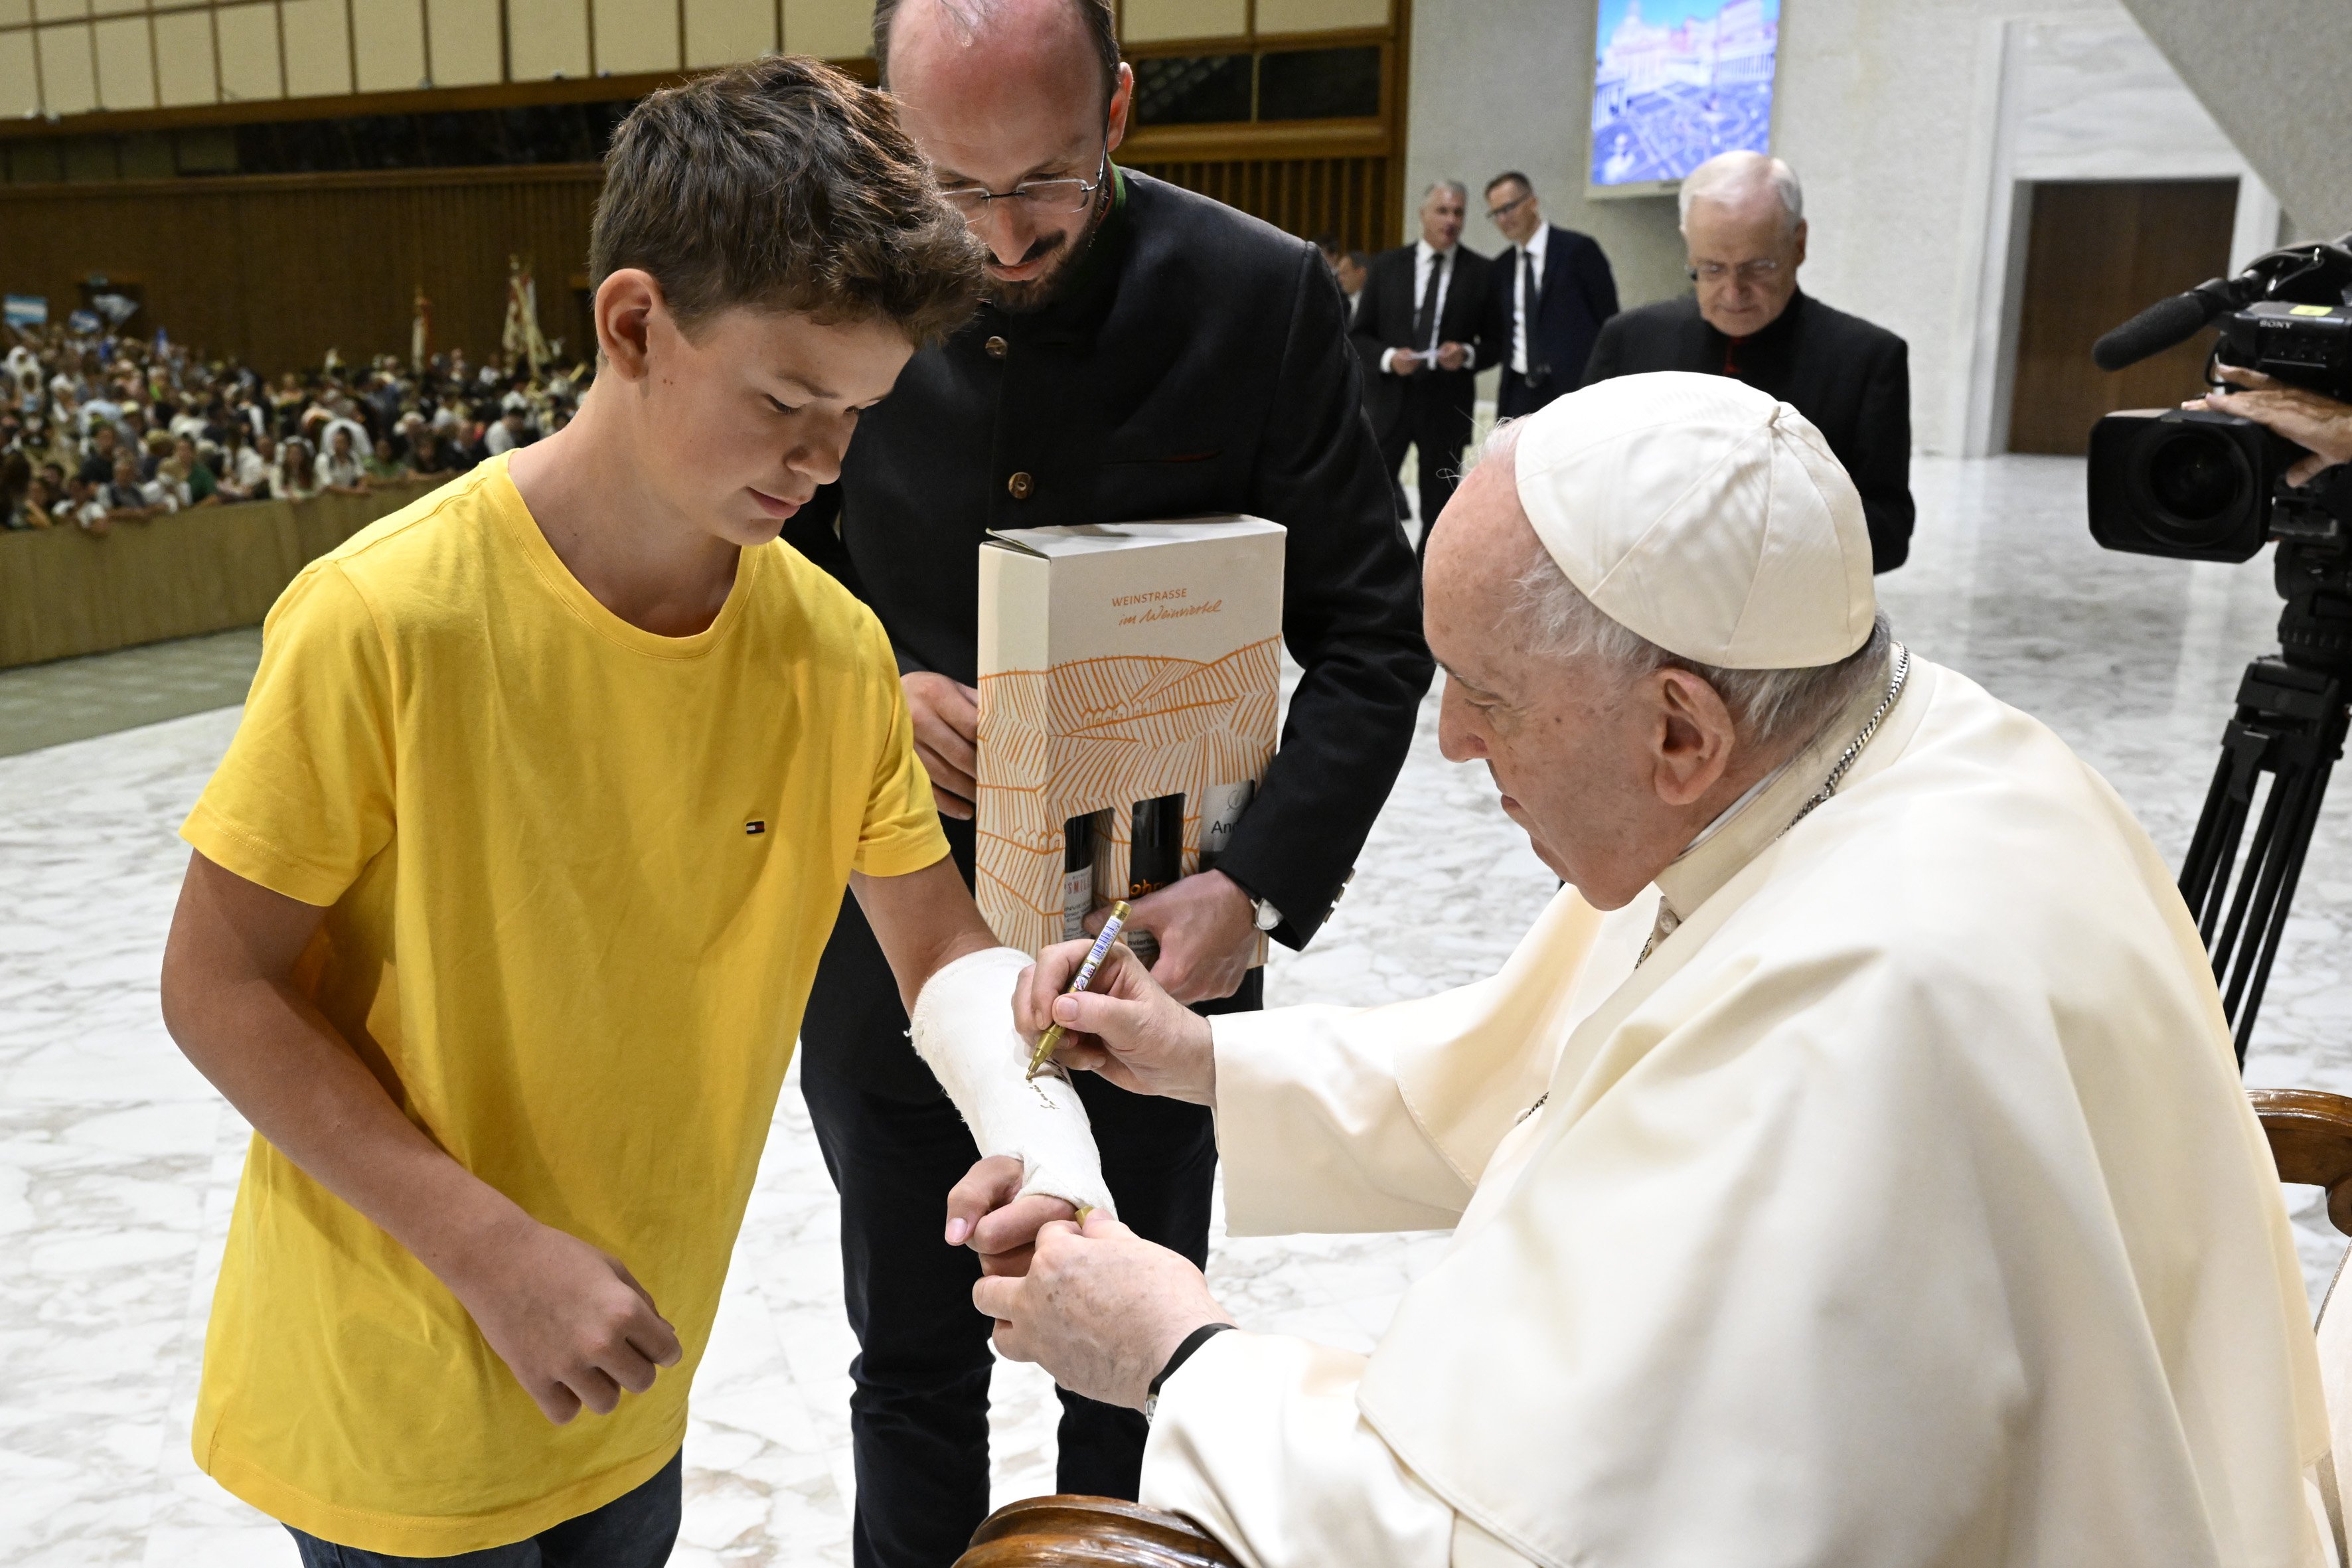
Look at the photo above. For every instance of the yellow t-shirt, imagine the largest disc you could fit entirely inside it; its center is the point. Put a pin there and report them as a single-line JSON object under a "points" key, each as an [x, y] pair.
{"points": [[577, 879]]}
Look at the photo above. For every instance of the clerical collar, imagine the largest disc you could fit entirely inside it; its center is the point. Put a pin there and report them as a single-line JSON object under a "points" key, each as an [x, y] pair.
{"points": [[1784, 796]]}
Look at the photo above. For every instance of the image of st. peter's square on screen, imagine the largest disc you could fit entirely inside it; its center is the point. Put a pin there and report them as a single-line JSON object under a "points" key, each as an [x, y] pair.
{"points": [[1677, 82]]}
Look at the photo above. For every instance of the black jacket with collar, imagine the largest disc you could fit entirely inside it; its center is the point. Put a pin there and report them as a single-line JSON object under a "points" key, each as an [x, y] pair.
{"points": [[1384, 321], [1575, 295], [1850, 377], [1199, 363]]}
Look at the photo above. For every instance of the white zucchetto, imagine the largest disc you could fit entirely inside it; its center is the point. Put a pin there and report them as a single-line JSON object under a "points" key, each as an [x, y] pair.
{"points": [[1703, 515]]}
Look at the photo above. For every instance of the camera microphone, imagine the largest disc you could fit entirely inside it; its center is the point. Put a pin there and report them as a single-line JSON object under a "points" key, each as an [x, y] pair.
{"points": [[2163, 324]]}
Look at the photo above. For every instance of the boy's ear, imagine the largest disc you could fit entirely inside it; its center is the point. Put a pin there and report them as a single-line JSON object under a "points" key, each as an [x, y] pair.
{"points": [[627, 302]]}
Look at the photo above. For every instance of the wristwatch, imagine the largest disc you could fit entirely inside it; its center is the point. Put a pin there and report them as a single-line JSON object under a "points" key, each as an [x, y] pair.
{"points": [[1263, 914]]}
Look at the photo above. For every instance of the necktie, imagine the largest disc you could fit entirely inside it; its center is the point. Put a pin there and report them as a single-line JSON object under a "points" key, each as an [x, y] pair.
{"points": [[1527, 314], [1424, 325]]}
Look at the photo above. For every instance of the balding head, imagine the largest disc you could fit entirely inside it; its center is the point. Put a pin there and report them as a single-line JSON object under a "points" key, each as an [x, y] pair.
{"points": [[1002, 94]]}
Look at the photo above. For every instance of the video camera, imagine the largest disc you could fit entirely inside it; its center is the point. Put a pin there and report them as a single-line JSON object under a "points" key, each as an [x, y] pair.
{"points": [[2207, 485]]}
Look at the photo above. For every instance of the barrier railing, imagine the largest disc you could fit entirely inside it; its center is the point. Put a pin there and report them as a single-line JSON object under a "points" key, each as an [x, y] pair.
{"points": [[64, 592]]}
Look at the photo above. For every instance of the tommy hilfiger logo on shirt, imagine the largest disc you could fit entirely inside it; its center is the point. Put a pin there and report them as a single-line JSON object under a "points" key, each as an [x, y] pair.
{"points": [[755, 827]]}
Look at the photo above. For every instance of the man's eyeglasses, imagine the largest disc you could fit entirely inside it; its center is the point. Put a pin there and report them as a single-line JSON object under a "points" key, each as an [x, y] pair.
{"points": [[1497, 215], [1039, 196], [1762, 272]]}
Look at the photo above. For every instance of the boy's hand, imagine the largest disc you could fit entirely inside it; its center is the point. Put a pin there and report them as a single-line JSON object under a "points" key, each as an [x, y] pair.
{"points": [[985, 1212], [947, 737], [571, 1323]]}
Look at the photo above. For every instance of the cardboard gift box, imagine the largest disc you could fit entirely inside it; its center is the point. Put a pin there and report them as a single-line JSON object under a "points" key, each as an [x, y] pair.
{"points": [[1122, 666]]}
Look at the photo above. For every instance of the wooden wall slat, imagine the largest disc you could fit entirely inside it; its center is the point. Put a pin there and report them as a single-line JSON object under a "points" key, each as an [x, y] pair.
{"points": [[278, 271], [1305, 196]]}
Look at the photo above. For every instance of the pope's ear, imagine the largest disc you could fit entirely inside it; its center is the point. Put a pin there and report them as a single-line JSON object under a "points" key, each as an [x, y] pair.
{"points": [[627, 303], [1694, 737]]}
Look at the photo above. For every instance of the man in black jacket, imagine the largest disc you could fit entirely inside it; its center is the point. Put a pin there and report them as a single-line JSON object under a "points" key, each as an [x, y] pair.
{"points": [[1743, 219], [1146, 352], [1547, 296], [1417, 326]]}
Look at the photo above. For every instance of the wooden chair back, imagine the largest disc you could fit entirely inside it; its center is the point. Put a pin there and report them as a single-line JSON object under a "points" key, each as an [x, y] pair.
{"points": [[1068, 1531], [2311, 1140]]}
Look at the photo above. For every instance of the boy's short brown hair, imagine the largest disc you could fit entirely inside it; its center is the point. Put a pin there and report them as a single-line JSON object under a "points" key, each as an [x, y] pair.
{"points": [[783, 185]]}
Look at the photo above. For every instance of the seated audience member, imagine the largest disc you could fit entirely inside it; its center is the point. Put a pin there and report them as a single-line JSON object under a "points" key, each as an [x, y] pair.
{"points": [[127, 498], [100, 452], [256, 467], [513, 428], [1547, 296], [1743, 218], [1874, 1186], [37, 507], [383, 465], [296, 477], [342, 468], [84, 507]]}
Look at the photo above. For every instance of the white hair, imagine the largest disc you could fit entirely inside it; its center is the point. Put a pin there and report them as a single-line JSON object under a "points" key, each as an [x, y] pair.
{"points": [[1732, 176], [1557, 622], [1457, 186]]}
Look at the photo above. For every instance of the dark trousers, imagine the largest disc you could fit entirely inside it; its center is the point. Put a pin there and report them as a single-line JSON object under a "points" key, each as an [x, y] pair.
{"points": [[635, 1530], [1515, 399], [1434, 419], [894, 1145]]}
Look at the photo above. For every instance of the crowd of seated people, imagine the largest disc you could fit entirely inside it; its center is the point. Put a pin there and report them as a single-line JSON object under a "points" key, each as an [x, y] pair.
{"points": [[99, 431]]}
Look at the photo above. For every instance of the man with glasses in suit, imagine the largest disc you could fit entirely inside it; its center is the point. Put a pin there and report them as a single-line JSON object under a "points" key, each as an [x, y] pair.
{"points": [[1743, 219], [1547, 296], [1143, 352]]}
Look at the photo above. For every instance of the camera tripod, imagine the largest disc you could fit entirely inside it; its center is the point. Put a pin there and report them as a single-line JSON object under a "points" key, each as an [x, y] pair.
{"points": [[2290, 723]]}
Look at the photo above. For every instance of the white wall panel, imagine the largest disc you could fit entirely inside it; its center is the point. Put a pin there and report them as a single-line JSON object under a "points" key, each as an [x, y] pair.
{"points": [[720, 32], [19, 87], [829, 29], [69, 75], [116, 7], [249, 53], [466, 43], [12, 11], [1147, 21], [126, 63], [184, 57], [1319, 16], [547, 38], [50, 10], [635, 36], [318, 47], [388, 38]]}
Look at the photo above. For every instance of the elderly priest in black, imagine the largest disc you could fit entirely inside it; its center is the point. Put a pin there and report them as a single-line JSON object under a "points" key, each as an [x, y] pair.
{"points": [[1547, 296], [1417, 328], [1743, 220], [1145, 353]]}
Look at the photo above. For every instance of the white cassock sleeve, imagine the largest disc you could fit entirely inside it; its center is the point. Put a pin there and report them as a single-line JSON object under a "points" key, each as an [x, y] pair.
{"points": [[963, 1031], [1257, 1438]]}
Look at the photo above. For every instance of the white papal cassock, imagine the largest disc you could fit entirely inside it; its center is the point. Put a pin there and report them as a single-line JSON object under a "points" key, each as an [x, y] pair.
{"points": [[1902, 1208]]}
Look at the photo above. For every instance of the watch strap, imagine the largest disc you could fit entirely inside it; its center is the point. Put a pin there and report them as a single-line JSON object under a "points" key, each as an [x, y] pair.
{"points": [[1192, 1341]]}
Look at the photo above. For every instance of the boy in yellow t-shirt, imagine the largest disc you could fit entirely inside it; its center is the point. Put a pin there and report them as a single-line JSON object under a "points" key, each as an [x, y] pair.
{"points": [[506, 897]]}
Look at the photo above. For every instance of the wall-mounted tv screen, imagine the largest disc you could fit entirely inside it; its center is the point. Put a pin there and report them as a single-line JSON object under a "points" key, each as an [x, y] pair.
{"points": [[1676, 82]]}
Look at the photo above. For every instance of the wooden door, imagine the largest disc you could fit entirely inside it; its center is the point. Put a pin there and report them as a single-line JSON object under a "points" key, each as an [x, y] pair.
{"points": [[2097, 253]]}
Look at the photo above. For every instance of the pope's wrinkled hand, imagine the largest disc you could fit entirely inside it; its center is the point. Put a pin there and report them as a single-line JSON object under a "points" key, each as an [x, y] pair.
{"points": [[1124, 1025], [986, 1213], [1100, 1308]]}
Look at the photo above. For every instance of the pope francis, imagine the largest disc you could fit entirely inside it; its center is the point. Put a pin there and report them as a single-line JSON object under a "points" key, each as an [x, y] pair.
{"points": [[1849, 1167]]}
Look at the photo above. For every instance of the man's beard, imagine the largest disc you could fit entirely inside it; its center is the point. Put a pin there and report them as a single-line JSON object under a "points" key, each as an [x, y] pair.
{"points": [[1026, 299]]}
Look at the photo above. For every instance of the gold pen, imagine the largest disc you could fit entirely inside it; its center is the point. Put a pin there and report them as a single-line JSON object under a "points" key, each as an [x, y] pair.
{"points": [[1108, 935]]}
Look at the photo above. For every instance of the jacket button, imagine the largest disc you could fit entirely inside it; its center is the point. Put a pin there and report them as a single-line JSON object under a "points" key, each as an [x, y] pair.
{"points": [[996, 347], [1020, 486]]}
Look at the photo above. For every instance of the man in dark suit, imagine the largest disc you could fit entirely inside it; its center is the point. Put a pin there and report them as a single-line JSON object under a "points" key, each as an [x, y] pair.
{"points": [[1144, 352], [1743, 220], [1417, 328], [1546, 299]]}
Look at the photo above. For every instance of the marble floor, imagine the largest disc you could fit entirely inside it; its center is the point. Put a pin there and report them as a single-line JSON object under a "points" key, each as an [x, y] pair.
{"points": [[118, 1163]]}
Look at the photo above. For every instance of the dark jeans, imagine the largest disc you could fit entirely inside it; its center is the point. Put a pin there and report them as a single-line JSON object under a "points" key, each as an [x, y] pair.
{"points": [[918, 1415], [635, 1530]]}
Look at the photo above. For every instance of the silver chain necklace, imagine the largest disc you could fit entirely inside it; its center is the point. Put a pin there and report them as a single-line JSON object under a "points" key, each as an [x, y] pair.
{"points": [[1853, 748]]}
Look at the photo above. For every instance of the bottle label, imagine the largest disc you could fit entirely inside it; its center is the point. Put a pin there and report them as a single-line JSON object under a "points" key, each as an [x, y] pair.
{"points": [[1221, 811], [1078, 902]]}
